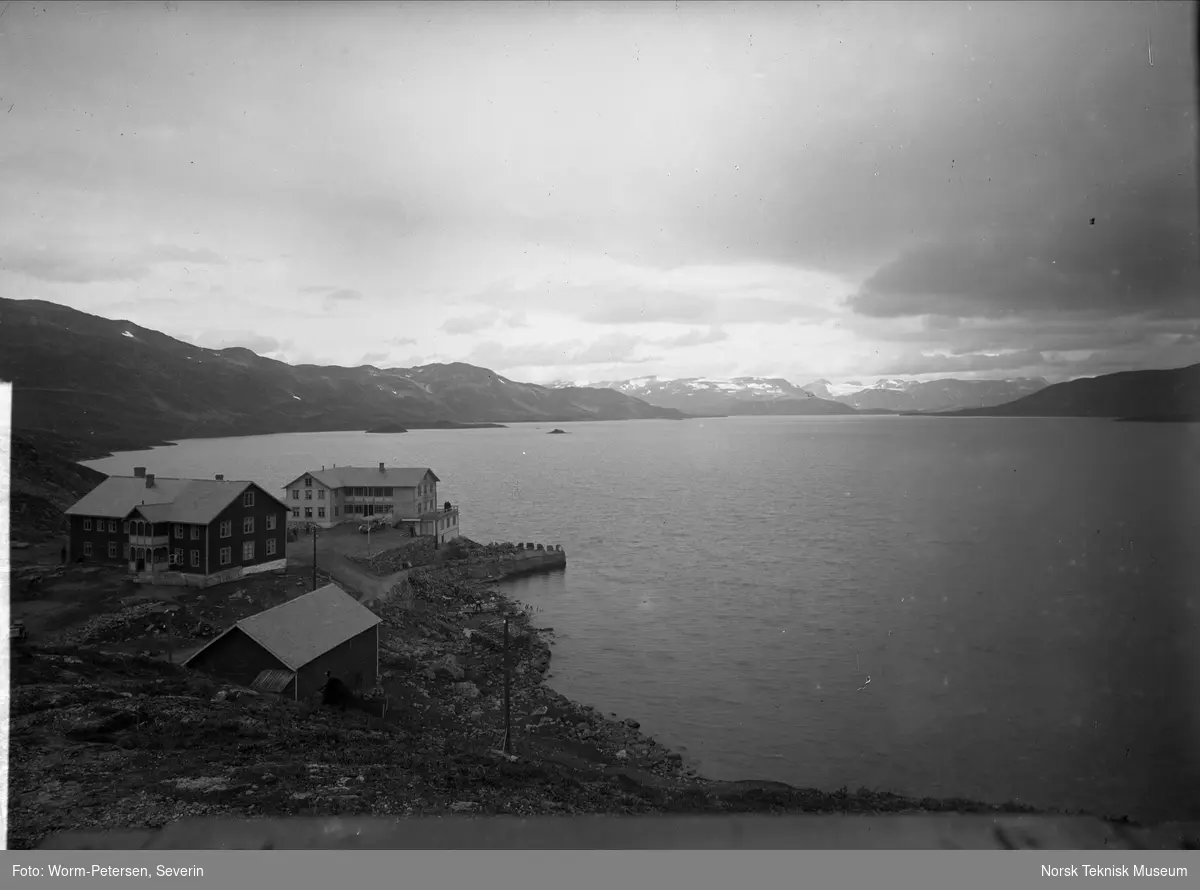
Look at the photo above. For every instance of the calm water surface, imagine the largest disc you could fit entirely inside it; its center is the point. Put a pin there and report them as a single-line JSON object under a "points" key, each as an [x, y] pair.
{"points": [[988, 608]]}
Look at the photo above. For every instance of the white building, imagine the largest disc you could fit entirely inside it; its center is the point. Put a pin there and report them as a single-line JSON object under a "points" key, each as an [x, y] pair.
{"points": [[401, 496]]}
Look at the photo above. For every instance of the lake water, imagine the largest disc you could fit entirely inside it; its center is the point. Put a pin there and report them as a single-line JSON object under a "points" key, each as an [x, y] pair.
{"points": [[1021, 594]]}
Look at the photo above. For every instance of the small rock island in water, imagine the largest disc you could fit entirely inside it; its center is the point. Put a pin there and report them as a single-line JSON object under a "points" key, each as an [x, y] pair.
{"points": [[388, 428], [556, 432]]}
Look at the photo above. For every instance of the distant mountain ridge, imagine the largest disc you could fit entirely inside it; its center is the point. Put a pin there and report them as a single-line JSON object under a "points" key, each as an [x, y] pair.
{"points": [[939, 395], [111, 385], [736, 395], [774, 395]]}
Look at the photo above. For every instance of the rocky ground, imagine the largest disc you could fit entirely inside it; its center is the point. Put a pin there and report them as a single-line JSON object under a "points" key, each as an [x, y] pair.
{"points": [[107, 733]]}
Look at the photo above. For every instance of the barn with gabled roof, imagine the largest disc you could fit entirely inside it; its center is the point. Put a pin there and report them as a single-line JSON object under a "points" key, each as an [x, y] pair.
{"points": [[287, 649]]}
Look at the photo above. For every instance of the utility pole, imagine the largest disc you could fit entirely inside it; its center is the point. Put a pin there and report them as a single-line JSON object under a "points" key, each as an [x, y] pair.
{"points": [[507, 718], [314, 534], [170, 638]]}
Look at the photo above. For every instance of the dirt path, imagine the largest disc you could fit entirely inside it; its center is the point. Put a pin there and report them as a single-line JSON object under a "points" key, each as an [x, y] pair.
{"points": [[345, 572]]}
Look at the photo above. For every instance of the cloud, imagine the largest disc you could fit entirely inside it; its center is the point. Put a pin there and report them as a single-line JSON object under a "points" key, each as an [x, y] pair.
{"points": [[489, 318], [694, 337], [470, 324], [613, 347], [172, 253], [374, 358], [402, 341], [59, 266]]}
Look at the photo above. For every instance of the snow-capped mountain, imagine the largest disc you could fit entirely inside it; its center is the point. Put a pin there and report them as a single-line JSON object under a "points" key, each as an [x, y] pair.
{"points": [[939, 395], [774, 395], [735, 395]]}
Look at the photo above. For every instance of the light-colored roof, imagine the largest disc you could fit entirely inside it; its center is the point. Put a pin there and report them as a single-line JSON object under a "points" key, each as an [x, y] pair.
{"points": [[309, 626], [190, 501], [272, 681], [389, 477]]}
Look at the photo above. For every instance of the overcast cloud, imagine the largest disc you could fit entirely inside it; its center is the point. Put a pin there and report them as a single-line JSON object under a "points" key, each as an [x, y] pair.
{"points": [[599, 190]]}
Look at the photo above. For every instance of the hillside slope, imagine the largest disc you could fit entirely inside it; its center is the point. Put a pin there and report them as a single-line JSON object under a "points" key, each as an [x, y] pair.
{"points": [[99, 381], [1173, 394]]}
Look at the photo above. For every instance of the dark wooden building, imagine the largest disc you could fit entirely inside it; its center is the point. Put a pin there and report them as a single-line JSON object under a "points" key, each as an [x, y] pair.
{"points": [[288, 649], [194, 532]]}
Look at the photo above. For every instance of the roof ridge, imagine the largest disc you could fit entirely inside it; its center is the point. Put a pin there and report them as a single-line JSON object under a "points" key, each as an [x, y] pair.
{"points": [[296, 599]]}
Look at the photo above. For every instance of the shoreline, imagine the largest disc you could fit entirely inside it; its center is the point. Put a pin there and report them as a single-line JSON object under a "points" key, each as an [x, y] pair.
{"points": [[619, 749], [91, 699]]}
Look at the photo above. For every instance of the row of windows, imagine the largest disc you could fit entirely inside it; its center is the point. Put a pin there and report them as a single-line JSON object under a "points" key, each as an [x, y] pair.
{"points": [[175, 557], [365, 492], [351, 510], [226, 529]]}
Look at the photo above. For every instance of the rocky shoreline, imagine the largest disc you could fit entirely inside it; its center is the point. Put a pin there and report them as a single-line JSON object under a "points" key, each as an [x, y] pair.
{"points": [[99, 700], [466, 616]]}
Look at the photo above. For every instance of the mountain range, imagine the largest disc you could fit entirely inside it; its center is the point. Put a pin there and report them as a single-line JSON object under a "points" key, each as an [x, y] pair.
{"points": [[702, 396], [85, 386], [774, 395], [931, 395], [115, 385]]}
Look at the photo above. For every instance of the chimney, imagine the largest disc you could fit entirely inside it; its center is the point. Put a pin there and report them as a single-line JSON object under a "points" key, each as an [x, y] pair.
{"points": [[149, 480], [139, 472], [381, 466], [220, 478]]}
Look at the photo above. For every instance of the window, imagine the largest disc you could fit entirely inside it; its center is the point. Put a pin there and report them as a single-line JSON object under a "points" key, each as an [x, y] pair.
{"points": [[248, 550], [248, 525], [195, 559], [308, 495], [320, 494], [335, 511], [387, 492], [295, 494], [308, 512], [87, 548], [125, 527], [179, 532], [320, 512], [295, 512], [112, 525], [195, 533], [226, 555], [125, 550], [178, 554], [308, 481], [270, 546], [112, 549], [227, 528], [87, 524], [248, 499], [271, 521]]}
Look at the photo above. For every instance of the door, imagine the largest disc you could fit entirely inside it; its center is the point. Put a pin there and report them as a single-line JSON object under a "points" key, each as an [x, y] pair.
{"points": [[141, 559]]}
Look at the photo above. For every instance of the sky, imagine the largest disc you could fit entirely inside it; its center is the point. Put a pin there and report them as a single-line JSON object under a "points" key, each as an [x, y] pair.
{"points": [[597, 191]]}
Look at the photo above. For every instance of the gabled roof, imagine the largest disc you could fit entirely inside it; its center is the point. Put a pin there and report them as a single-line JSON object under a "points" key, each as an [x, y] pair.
{"points": [[189, 501], [307, 627], [388, 477]]}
